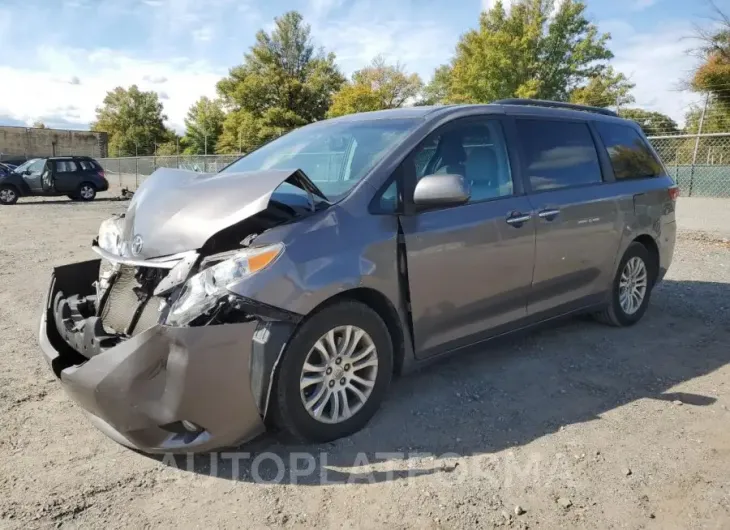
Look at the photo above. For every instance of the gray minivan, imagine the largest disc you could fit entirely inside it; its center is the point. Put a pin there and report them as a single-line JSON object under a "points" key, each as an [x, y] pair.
{"points": [[288, 288]]}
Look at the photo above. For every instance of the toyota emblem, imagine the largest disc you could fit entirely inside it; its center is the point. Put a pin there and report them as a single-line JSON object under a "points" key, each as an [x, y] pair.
{"points": [[137, 244]]}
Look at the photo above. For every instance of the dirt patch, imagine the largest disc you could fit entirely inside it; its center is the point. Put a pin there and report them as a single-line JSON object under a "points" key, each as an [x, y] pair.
{"points": [[574, 426]]}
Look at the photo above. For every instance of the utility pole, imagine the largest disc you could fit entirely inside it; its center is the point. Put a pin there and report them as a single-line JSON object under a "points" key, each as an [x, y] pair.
{"points": [[206, 143], [697, 144]]}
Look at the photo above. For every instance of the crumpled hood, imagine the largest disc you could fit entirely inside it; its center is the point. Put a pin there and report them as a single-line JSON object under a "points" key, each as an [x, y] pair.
{"points": [[177, 210]]}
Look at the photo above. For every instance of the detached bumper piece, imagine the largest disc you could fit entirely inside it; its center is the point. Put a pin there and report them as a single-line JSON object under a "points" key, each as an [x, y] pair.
{"points": [[165, 389]]}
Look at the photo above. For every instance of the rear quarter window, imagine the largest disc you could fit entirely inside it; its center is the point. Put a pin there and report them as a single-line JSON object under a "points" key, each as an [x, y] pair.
{"points": [[630, 155]]}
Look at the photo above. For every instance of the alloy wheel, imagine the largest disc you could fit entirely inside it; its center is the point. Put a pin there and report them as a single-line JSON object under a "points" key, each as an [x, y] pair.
{"points": [[86, 192], [633, 285], [7, 196], [339, 374]]}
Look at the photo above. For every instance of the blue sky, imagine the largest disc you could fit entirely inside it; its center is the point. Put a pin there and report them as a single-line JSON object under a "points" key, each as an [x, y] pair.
{"points": [[59, 57]]}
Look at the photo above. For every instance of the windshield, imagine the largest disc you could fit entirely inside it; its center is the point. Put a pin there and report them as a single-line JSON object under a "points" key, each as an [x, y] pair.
{"points": [[334, 155], [22, 167]]}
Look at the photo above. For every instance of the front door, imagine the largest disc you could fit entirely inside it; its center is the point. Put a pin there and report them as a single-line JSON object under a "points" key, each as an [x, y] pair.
{"points": [[577, 216], [469, 267], [33, 176]]}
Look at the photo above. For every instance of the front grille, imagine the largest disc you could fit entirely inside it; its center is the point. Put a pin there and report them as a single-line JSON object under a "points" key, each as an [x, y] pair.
{"points": [[123, 303]]}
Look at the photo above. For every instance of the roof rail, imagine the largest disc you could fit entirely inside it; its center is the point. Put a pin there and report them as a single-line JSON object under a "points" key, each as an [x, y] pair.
{"points": [[555, 105]]}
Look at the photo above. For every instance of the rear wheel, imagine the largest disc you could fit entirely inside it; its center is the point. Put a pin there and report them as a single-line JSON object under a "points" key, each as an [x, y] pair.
{"points": [[8, 195], [631, 288], [334, 374], [86, 192]]}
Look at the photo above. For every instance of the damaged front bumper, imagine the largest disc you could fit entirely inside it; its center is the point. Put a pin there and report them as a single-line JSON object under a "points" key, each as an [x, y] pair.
{"points": [[165, 389]]}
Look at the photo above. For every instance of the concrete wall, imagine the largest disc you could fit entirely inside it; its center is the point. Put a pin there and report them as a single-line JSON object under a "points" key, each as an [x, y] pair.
{"points": [[27, 142]]}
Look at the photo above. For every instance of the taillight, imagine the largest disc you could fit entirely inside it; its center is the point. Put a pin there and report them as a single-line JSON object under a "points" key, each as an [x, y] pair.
{"points": [[674, 193], [101, 173]]}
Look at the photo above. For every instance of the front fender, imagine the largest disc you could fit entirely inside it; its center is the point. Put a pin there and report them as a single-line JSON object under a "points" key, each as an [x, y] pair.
{"points": [[16, 181], [324, 256]]}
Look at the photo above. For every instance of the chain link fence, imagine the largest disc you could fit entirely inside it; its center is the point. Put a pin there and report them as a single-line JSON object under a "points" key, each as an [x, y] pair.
{"points": [[700, 164], [130, 172]]}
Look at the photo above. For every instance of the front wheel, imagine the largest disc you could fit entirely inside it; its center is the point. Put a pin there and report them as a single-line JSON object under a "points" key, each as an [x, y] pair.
{"points": [[334, 374], [631, 288], [8, 195]]}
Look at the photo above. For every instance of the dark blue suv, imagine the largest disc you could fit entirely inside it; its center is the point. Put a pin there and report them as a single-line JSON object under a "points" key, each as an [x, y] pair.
{"points": [[77, 177]]}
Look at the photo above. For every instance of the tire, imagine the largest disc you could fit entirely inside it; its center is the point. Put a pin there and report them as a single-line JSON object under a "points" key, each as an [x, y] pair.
{"points": [[616, 314], [291, 413], [86, 192], [8, 195]]}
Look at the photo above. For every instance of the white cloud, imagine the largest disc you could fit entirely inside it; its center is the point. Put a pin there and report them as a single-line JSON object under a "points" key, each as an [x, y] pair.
{"points": [[640, 5], [489, 4], [658, 63], [367, 30], [203, 34], [45, 92]]}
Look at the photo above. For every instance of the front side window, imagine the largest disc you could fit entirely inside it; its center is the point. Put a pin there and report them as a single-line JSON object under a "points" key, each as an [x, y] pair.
{"points": [[558, 154], [476, 150], [334, 155], [630, 156], [34, 165]]}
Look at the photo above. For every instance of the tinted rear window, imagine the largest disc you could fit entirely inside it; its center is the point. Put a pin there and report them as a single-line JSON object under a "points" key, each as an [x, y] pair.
{"points": [[630, 155], [87, 165], [559, 154]]}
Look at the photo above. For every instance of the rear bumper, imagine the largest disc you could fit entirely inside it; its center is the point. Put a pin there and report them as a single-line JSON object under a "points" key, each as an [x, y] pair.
{"points": [[140, 391], [666, 243]]}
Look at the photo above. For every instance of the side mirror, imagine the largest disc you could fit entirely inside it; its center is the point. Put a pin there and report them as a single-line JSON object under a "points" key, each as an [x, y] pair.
{"points": [[26, 172], [441, 190]]}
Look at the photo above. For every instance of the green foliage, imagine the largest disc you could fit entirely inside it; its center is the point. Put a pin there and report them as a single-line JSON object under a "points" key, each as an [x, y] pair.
{"points": [[437, 91], [39, 125], [203, 126], [605, 89], [540, 49], [713, 75], [717, 118], [283, 83], [376, 87], [652, 123], [133, 120]]}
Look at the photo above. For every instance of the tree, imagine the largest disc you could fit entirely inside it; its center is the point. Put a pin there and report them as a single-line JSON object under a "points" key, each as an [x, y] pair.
{"points": [[437, 91], [376, 87], [713, 74], [39, 125], [133, 120], [606, 89], [544, 49], [652, 123], [203, 126], [283, 83]]}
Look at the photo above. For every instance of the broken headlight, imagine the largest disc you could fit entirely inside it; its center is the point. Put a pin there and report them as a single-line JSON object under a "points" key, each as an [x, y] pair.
{"points": [[110, 235], [202, 292]]}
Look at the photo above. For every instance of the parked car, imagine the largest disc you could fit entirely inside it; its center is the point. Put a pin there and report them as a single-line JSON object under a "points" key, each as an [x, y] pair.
{"points": [[288, 288], [78, 177], [5, 169]]}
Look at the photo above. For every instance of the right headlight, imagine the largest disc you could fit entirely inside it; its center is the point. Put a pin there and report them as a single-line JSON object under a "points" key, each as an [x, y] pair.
{"points": [[201, 292]]}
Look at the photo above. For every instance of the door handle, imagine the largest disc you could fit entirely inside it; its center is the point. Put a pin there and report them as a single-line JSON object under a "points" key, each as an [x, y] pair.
{"points": [[549, 214], [518, 219]]}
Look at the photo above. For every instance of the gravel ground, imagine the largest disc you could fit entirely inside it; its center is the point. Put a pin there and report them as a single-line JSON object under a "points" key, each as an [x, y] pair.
{"points": [[574, 426]]}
